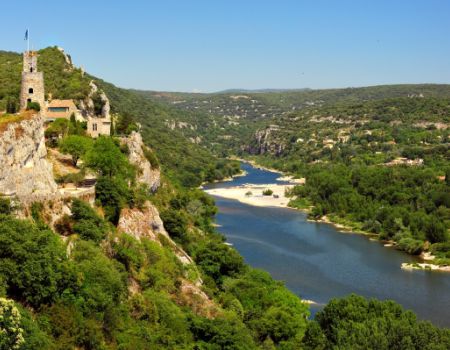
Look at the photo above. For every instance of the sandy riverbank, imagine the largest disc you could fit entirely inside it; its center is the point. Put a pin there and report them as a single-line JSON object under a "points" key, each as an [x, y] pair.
{"points": [[425, 266], [252, 194]]}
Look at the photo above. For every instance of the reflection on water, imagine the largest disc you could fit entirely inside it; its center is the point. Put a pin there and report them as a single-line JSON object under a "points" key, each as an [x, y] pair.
{"points": [[318, 262]]}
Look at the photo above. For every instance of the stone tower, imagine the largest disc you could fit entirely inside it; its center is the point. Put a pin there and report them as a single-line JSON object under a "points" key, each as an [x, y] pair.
{"points": [[32, 82]]}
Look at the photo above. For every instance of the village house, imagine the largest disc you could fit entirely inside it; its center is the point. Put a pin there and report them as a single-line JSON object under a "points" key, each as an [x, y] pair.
{"points": [[62, 109], [97, 126]]}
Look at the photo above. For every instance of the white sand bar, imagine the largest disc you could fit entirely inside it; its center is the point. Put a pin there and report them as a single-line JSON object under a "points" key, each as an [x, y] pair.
{"points": [[252, 194]]}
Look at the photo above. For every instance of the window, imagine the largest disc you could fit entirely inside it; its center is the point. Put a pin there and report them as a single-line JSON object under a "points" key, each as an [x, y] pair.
{"points": [[94, 127], [58, 109], [30, 90], [29, 100], [31, 69]]}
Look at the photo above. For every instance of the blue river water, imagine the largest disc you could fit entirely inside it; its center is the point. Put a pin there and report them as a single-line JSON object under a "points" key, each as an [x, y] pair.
{"points": [[317, 262]]}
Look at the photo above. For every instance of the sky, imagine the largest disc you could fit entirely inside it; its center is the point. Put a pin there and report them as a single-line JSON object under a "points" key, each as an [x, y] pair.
{"points": [[212, 45]]}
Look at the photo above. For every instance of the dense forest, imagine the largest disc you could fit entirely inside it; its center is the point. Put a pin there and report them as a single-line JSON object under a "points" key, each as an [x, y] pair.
{"points": [[87, 285]]}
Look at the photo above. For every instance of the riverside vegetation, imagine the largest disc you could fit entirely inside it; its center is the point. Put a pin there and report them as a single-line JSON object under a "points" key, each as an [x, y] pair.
{"points": [[50, 299], [375, 159]]}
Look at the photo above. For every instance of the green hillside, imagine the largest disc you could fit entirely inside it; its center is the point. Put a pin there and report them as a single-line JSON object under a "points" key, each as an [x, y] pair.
{"points": [[87, 285], [349, 144]]}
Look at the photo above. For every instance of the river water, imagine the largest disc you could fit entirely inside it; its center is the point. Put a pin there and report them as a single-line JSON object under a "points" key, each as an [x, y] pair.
{"points": [[317, 262]]}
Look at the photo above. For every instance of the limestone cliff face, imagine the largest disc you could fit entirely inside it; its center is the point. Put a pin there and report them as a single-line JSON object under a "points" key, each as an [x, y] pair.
{"points": [[24, 170], [146, 173], [265, 141], [146, 223]]}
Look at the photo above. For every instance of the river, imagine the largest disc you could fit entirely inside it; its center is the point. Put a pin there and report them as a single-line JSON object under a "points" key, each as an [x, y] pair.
{"points": [[317, 262]]}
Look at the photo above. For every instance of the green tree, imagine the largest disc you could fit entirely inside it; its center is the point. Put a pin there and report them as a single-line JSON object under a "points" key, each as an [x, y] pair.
{"points": [[75, 145], [113, 193], [11, 106], [106, 158], [59, 128]]}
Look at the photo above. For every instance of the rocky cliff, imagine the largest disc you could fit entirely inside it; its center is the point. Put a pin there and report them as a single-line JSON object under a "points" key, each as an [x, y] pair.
{"points": [[266, 141], [146, 223], [24, 170], [146, 173]]}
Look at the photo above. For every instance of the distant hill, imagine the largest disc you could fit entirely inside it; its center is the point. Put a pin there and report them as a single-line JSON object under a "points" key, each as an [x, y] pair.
{"points": [[256, 91], [276, 103]]}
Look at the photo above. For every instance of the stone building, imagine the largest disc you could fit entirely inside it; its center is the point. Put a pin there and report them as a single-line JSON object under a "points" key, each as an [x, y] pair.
{"points": [[97, 126], [98, 123], [32, 89], [62, 109]]}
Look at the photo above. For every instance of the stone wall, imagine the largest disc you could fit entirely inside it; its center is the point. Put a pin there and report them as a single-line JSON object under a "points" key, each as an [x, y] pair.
{"points": [[24, 169]]}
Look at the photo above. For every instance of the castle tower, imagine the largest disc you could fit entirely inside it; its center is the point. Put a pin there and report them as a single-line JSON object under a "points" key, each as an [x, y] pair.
{"points": [[32, 82]]}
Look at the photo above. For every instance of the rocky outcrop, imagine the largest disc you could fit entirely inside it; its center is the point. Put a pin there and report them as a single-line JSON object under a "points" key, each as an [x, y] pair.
{"points": [[146, 173], [142, 223], [196, 299], [146, 223], [24, 169], [265, 141], [67, 58]]}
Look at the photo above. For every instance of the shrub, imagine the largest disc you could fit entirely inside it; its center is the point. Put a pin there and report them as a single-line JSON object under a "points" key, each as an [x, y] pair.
{"points": [[5, 206], [88, 224], [11, 333], [113, 194], [176, 224], [60, 127], [267, 192], [411, 245], [218, 261], [11, 106], [33, 106], [151, 157], [98, 103], [89, 230]]}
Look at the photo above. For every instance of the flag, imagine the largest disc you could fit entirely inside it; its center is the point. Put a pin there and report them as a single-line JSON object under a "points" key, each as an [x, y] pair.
{"points": [[26, 35]]}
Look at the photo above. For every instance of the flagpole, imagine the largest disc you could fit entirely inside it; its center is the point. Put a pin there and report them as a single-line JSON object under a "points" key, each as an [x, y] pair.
{"points": [[28, 40]]}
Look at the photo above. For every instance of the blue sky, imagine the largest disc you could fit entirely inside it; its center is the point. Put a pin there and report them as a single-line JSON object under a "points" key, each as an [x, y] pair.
{"points": [[211, 45]]}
